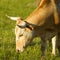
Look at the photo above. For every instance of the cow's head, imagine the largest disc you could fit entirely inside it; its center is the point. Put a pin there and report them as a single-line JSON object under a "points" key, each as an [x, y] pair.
{"points": [[23, 32]]}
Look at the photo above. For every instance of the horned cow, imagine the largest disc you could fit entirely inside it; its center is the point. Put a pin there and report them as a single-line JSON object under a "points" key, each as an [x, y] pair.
{"points": [[43, 22]]}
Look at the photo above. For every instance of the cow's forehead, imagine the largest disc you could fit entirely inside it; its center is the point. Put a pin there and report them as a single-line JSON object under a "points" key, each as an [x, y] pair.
{"points": [[22, 30], [19, 30]]}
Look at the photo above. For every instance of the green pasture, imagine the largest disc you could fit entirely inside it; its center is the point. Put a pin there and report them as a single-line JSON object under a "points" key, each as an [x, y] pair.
{"points": [[7, 37]]}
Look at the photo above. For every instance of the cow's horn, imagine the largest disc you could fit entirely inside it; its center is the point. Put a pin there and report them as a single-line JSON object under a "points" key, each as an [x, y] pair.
{"points": [[13, 18]]}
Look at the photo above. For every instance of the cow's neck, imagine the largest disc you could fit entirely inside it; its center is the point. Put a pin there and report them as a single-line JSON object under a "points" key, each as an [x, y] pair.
{"points": [[39, 16]]}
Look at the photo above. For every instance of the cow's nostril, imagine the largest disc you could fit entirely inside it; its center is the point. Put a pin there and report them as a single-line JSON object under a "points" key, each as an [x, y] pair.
{"points": [[20, 50], [17, 50]]}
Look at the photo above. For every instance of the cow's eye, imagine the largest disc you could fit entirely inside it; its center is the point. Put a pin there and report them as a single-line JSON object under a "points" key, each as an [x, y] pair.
{"points": [[21, 35]]}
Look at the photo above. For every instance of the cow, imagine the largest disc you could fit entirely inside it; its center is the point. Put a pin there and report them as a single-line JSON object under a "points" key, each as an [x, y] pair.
{"points": [[43, 22]]}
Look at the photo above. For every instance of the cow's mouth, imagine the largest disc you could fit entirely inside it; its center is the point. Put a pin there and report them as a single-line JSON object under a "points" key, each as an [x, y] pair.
{"points": [[20, 50]]}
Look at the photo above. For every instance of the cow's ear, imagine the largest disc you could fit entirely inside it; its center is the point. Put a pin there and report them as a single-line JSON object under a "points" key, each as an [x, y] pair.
{"points": [[21, 23], [14, 18]]}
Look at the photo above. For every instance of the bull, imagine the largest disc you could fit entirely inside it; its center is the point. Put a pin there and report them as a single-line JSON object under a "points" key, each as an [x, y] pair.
{"points": [[43, 22]]}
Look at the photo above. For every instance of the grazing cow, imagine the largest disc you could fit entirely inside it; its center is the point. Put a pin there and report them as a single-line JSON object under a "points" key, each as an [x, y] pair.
{"points": [[43, 22]]}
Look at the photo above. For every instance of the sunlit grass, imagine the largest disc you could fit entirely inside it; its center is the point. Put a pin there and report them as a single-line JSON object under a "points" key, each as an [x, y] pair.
{"points": [[7, 37]]}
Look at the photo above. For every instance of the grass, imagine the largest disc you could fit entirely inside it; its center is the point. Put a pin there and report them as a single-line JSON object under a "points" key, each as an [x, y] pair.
{"points": [[7, 37]]}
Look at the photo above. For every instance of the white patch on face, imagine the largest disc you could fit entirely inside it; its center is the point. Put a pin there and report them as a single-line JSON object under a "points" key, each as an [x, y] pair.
{"points": [[18, 32]]}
